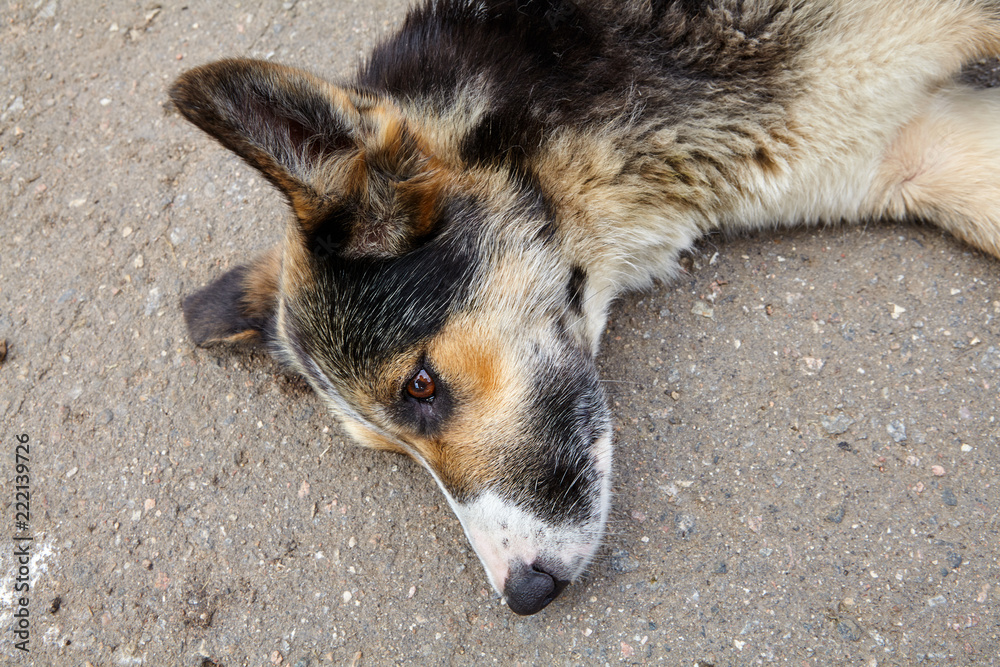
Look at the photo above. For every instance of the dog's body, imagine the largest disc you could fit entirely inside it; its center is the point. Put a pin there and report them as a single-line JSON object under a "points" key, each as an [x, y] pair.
{"points": [[468, 208]]}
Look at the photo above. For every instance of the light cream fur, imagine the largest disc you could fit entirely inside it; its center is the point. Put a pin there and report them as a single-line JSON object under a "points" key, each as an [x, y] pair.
{"points": [[878, 130]]}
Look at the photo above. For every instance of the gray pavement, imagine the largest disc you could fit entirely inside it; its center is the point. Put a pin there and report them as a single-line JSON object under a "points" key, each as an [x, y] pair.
{"points": [[808, 458]]}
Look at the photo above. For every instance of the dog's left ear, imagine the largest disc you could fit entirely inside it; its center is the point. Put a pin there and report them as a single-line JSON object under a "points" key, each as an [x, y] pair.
{"points": [[238, 306], [352, 170], [284, 122]]}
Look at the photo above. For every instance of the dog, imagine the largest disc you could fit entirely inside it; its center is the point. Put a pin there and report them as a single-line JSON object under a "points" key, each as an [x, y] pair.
{"points": [[467, 208]]}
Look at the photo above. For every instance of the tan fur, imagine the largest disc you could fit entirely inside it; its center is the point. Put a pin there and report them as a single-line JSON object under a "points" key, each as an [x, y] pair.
{"points": [[490, 388], [944, 166], [262, 284], [807, 169], [296, 271], [477, 230]]}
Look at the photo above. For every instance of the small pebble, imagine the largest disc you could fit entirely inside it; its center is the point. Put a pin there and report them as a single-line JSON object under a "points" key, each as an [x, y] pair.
{"points": [[812, 365], [897, 430], [48, 11], [991, 359], [684, 524], [849, 630], [836, 425], [622, 561], [937, 471], [948, 496], [16, 106], [703, 308]]}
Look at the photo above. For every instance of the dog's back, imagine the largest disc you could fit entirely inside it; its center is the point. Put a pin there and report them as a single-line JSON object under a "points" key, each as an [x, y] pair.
{"points": [[467, 209]]}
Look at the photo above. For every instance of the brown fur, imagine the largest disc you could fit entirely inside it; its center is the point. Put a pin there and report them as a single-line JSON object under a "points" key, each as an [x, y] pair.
{"points": [[467, 209]]}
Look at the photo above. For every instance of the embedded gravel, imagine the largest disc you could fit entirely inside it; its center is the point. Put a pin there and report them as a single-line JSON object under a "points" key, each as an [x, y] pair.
{"points": [[808, 459]]}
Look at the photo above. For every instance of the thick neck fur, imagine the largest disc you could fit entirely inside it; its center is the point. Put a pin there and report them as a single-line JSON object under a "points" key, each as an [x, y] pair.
{"points": [[636, 165]]}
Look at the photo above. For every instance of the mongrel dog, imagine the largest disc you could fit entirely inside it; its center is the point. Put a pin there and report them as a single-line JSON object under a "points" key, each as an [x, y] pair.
{"points": [[466, 210]]}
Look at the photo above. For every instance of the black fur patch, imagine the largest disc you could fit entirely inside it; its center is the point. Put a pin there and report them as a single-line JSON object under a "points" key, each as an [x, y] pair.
{"points": [[326, 237], [559, 482], [576, 288], [532, 52], [363, 311], [549, 64]]}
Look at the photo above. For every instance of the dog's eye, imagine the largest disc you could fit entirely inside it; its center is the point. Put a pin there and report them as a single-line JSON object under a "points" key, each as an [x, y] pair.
{"points": [[421, 386]]}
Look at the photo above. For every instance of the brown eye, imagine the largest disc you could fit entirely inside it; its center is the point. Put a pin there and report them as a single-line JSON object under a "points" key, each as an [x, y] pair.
{"points": [[421, 386]]}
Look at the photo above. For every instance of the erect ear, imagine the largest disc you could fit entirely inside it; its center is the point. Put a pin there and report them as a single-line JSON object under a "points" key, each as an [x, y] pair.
{"points": [[283, 121], [238, 306], [351, 169]]}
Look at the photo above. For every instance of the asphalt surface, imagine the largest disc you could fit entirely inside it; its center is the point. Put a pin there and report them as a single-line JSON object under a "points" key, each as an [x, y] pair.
{"points": [[807, 467]]}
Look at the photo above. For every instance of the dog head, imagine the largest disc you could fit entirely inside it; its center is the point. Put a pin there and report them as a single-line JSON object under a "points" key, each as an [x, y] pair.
{"points": [[430, 303]]}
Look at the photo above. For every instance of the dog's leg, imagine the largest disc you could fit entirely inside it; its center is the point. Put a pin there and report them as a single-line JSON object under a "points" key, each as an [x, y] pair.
{"points": [[944, 166]]}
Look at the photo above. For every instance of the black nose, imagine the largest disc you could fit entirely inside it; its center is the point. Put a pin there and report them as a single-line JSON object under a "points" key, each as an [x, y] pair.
{"points": [[529, 589]]}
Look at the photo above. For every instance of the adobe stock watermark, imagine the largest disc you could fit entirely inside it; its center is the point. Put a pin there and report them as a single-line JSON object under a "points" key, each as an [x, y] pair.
{"points": [[22, 540]]}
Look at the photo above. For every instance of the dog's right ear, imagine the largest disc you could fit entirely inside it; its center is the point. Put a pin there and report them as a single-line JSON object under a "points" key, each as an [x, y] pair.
{"points": [[281, 120], [238, 306]]}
